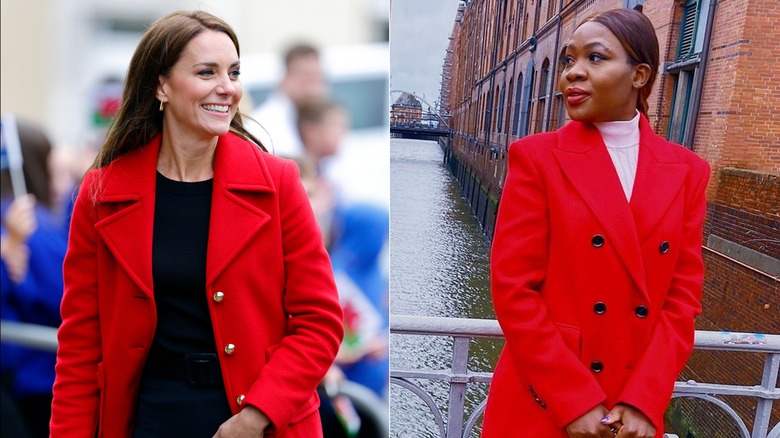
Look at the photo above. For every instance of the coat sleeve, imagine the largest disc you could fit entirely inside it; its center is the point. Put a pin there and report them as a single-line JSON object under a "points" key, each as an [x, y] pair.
{"points": [[518, 271], [315, 327], [650, 386], [76, 390]]}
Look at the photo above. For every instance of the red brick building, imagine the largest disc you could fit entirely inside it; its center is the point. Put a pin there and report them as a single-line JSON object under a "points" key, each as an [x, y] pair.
{"points": [[716, 93], [406, 110]]}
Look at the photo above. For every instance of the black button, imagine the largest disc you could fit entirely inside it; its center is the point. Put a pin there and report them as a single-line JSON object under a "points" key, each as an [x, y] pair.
{"points": [[599, 308], [664, 248], [641, 311], [533, 393], [596, 366], [597, 240], [542, 404]]}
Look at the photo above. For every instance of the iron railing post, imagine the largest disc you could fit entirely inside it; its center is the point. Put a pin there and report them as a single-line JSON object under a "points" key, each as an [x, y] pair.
{"points": [[458, 383], [764, 407]]}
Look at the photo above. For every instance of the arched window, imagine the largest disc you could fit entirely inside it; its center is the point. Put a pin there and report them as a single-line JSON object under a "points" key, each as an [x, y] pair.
{"points": [[557, 114], [541, 94], [518, 94], [528, 91], [500, 112], [489, 111], [508, 106]]}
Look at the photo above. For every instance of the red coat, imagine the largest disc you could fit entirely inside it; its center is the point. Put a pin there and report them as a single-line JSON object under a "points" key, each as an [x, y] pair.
{"points": [[265, 253], [596, 296]]}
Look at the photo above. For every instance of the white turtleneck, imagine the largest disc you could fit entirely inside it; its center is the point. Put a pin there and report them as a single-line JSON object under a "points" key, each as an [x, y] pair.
{"points": [[622, 140]]}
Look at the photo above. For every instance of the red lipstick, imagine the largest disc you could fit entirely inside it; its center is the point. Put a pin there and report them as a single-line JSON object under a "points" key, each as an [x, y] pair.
{"points": [[575, 96]]}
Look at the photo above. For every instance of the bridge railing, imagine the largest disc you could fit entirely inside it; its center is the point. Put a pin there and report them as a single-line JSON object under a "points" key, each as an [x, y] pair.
{"points": [[459, 376]]}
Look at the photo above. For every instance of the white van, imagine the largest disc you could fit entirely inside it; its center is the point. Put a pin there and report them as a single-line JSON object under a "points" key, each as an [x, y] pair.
{"points": [[358, 79]]}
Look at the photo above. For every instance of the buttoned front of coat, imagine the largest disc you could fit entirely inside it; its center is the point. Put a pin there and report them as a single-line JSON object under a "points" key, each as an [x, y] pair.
{"points": [[596, 295], [269, 286]]}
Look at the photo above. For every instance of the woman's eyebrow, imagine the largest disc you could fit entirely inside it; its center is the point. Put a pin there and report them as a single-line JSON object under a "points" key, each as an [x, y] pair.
{"points": [[589, 45], [214, 64]]}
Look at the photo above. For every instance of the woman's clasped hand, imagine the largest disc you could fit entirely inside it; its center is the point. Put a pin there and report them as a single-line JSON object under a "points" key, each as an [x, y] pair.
{"points": [[622, 421]]}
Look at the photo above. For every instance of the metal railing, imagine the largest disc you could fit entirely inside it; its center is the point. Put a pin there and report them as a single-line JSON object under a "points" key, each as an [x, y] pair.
{"points": [[459, 376], [45, 339]]}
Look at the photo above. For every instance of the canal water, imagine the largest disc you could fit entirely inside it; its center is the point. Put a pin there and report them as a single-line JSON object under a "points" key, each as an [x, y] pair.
{"points": [[439, 266]]}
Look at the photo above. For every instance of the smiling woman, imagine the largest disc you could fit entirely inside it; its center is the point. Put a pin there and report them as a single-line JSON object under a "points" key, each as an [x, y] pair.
{"points": [[199, 300], [202, 92]]}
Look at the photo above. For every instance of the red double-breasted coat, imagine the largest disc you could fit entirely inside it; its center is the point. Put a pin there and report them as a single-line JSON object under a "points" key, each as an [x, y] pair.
{"points": [[278, 304], [596, 295]]}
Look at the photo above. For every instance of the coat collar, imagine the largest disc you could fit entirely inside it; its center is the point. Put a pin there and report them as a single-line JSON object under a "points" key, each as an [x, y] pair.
{"points": [[583, 156], [127, 196], [236, 165]]}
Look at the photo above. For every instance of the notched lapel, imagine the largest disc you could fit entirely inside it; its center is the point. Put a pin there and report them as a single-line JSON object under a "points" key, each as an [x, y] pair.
{"points": [[127, 232], [584, 159], [127, 201], [235, 221], [660, 178], [241, 181]]}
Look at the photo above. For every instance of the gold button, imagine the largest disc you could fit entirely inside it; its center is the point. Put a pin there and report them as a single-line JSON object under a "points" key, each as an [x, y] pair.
{"points": [[240, 399], [230, 348], [219, 296]]}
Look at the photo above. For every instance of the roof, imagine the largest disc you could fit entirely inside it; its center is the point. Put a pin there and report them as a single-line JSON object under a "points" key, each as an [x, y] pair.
{"points": [[408, 100]]}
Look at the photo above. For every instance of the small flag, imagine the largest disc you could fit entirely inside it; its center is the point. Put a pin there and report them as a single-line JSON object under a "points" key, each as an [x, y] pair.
{"points": [[12, 154]]}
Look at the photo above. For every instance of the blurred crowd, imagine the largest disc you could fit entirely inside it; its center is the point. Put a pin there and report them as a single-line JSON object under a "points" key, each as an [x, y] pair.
{"points": [[37, 185], [299, 120], [304, 123]]}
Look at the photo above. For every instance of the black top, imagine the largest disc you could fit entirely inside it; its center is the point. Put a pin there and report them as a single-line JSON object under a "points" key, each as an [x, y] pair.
{"points": [[181, 231]]}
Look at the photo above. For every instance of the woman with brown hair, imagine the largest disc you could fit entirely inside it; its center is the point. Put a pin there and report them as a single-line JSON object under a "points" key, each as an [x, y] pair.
{"points": [[199, 300], [596, 261]]}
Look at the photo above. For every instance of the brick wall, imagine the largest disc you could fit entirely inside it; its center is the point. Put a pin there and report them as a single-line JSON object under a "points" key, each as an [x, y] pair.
{"points": [[752, 191], [753, 138], [740, 299], [738, 122], [746, 210]]}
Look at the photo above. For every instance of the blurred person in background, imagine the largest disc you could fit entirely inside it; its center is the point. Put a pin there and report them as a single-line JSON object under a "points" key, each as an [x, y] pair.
{"points": [[334, 422], [321, 125], [355, 235], [199, 299], [320, 195], [360, 236], [303, 78], [32, 248]]}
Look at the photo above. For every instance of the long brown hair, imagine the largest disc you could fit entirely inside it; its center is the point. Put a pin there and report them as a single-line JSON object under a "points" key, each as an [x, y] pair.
{"points": [[139, 119], [637, 35]]}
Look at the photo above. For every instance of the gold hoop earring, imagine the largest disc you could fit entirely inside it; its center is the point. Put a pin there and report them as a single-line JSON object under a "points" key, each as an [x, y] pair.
{"points": [[162, 105]]}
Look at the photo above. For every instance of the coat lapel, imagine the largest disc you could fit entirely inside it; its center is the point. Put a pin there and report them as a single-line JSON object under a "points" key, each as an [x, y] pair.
{"points": [[585, 161], [127, 200], [660, 177], [241, 179]]}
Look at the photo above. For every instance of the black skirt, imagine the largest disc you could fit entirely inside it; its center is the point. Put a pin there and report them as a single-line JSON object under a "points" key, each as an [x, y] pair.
{"points": [[173, 407]]}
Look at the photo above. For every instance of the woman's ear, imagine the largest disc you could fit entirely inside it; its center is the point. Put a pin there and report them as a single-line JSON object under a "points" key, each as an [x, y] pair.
{"points": [[641, 75], [161, 93]]}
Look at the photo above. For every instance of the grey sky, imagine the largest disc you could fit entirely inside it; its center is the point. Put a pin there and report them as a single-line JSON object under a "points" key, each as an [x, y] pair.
{"points": [[419, 32]]}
